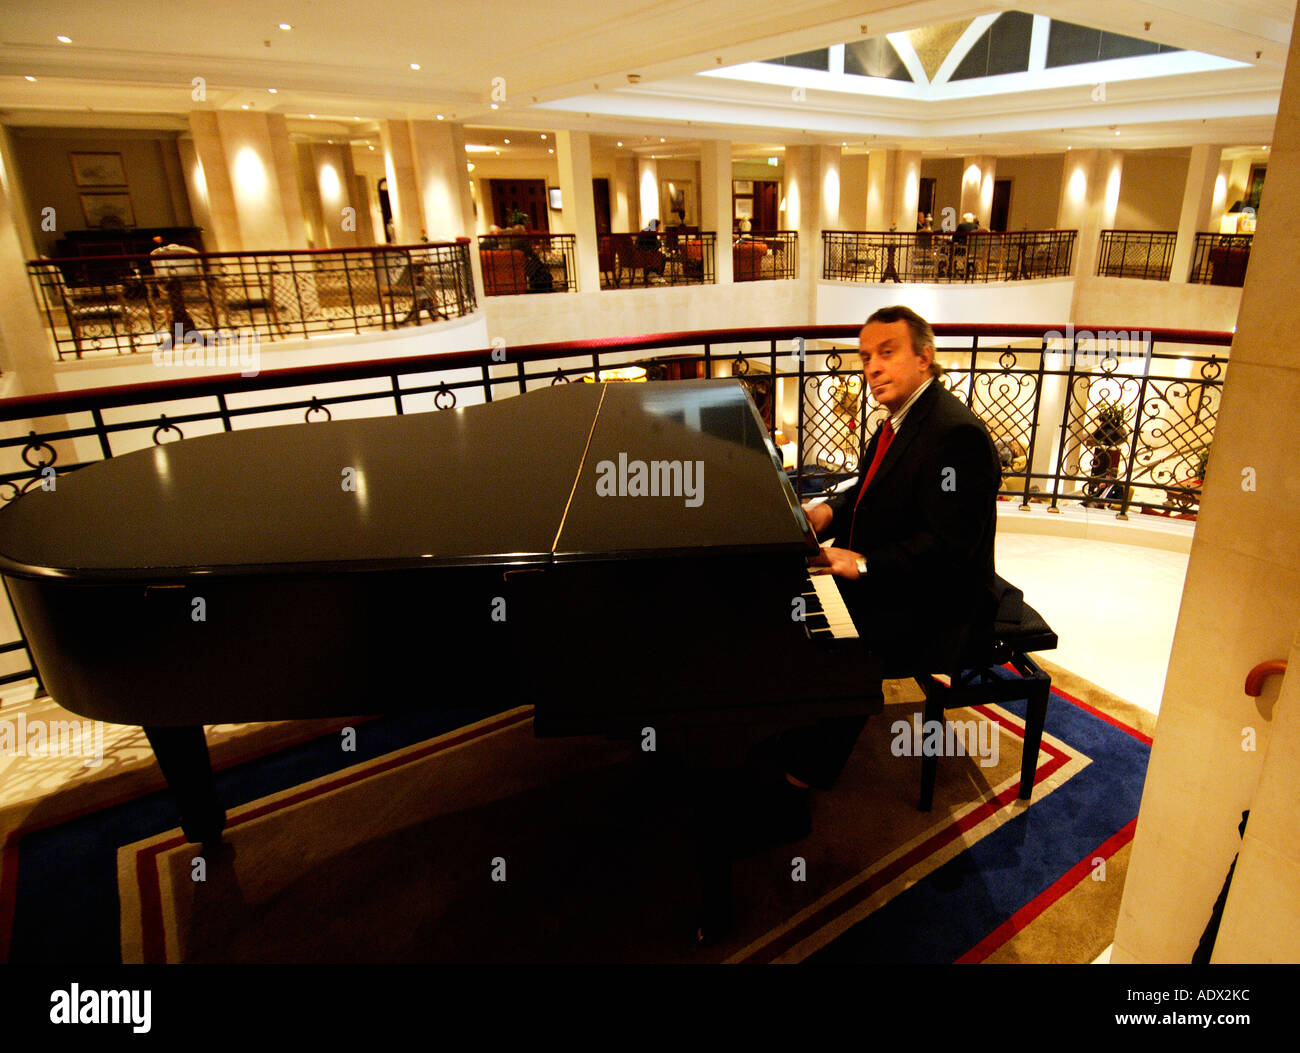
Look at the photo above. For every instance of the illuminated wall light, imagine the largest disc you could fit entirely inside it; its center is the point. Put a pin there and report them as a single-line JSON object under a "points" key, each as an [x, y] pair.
{"points": [[250, 173], [329, 182], [1078, 185]]}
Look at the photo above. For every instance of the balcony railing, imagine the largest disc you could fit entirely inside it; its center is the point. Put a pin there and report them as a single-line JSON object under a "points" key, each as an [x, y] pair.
{"points": [[514, 264], [1041, 395], [760, 256], [1136, 254], [1220, 259], [923, 256], [122, 304], [669, 257]]}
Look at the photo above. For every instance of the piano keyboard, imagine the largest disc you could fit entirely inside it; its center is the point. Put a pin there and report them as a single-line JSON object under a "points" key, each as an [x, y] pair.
{"points": [[827, 614]]}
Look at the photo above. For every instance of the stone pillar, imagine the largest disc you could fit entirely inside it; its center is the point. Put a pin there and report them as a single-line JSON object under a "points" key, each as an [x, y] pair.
{"points": [[647, 193], [1198, 198], [907, 189], [880, 188], [211, 189], [828, 187], [403, 189], [442, 171], [803, 209], [26, 345], [256, 154], [573, 158], [196, 190], [332, 179], [715, 203], [623, 195], [1217, 751], [1089, 196]]}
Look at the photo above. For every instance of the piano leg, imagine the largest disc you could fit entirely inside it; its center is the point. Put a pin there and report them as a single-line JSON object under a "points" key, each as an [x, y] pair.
{"points": [[183, 757]]}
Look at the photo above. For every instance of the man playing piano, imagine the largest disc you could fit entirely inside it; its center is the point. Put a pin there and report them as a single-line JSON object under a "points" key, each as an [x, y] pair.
{"points": [[913, 540]]}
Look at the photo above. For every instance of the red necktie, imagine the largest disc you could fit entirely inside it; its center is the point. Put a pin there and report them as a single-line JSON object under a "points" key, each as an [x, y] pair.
{"points": [[886, 437]]}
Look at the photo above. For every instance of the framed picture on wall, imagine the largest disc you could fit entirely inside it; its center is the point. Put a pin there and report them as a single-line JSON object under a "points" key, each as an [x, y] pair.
{"points": [[744, 208], [676, 202], [108, 211], [742, 186], [92, 169]]}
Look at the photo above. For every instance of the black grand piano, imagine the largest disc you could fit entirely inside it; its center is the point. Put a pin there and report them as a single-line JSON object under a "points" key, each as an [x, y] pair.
{"points": [[534, 543]]}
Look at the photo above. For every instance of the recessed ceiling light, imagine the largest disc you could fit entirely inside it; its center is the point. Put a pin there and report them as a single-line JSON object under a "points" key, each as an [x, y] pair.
{"points": [[63, 40], [244, 107], [440, 117], [498, 153], [415, 65], [371, 145], [543, 135], [620, 142], [550, 149], [285, 26], [506, 141], [312, 116], [495, 106], [274, 91], [1117, 131], [31, 78], [663, 140]]}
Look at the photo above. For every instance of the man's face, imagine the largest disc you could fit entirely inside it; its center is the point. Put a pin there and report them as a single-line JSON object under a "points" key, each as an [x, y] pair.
{"points": [[891, 368]]}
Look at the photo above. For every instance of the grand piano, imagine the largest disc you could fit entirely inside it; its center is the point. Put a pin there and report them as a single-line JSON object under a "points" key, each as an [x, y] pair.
{"points": [[620, 556]]}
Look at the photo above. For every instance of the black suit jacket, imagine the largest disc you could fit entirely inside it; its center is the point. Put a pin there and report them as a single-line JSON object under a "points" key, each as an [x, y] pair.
{"points": [[926, 526]]}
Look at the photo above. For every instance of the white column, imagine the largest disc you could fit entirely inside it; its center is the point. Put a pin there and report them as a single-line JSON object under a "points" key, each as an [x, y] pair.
{"points": [[1198, 197], [1217, 751], [715, 203], [403, 188], [647, 192], [573, 157], [880, 188], [907, 189]]}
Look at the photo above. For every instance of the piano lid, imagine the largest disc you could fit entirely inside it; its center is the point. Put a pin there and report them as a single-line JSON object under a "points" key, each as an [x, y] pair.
{"points": [[507, 482]]}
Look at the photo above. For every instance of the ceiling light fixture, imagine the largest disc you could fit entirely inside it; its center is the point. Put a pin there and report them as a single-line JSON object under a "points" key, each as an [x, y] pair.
{"points": [[274, 91], [506, 141], [415, 65], [30, 78], [441, 117], [285, 26], [63, 40]]}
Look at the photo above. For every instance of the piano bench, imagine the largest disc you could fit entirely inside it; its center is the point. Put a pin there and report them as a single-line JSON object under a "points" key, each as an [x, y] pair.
{"points": [[1018, 630]]}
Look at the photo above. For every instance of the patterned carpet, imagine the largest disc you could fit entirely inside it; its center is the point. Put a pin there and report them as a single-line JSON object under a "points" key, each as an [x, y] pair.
{"points": [[461, 837]]}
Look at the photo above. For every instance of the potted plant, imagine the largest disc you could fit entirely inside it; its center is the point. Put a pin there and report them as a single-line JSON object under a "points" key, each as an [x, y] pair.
{"points": [[1202, 460], [1111, 429]]}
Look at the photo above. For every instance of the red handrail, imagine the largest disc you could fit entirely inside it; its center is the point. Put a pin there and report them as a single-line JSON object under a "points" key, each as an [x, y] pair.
{"points": [[1256, 677], [89, 398]]}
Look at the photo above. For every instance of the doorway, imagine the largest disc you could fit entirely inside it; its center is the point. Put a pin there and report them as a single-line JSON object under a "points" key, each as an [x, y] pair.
{"points": [[521, 195], [1001, 204]]}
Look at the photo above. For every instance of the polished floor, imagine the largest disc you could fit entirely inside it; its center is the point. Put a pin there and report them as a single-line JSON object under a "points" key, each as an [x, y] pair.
{"points": [[1114, 606]]}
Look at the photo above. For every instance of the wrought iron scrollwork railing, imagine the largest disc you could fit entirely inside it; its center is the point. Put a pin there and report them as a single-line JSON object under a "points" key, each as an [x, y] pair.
{"points": [[1105, 419], [1136, 254], [133, 304], [1221, 259], [929, 256]]}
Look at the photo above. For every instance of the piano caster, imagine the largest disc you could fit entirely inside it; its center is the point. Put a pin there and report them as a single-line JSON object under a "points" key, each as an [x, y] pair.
{"points": [[183, 757]]}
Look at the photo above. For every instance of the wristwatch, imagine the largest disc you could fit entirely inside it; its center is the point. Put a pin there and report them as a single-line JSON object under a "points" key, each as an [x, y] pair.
{"points": [[862, 567]]}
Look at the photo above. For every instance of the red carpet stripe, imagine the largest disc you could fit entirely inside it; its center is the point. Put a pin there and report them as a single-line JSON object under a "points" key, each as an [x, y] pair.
{"points": [[1021, 918], [939, 839]]}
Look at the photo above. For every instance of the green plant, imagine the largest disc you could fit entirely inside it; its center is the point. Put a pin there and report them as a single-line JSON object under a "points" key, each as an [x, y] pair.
{"points": [[517, 218], [1110, 429]]}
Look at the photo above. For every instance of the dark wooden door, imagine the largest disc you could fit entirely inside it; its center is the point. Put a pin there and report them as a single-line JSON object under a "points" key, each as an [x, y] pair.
{"points": [[766, 198], [1001, 204], [600, 195], [526, 195]]}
